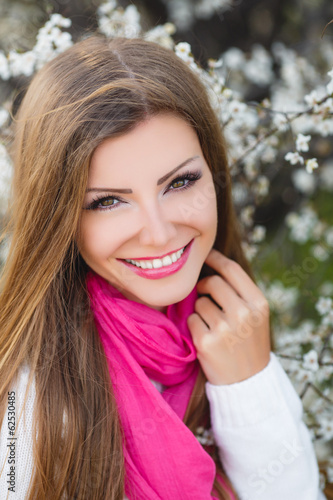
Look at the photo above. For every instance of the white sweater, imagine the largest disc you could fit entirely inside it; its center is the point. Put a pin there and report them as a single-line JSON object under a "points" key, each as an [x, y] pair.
{"points": [[257, 424]]}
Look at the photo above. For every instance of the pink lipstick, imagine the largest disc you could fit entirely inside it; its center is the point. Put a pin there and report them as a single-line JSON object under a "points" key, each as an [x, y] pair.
{"points": [[160, 272]]}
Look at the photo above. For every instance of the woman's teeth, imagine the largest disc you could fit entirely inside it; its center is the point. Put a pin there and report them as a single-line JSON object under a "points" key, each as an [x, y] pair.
{"points": [[157, 263]]}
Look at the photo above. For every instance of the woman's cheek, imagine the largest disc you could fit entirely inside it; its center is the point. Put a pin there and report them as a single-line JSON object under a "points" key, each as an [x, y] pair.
{"points": [[199, 206], [200, 209], [96, 237]]}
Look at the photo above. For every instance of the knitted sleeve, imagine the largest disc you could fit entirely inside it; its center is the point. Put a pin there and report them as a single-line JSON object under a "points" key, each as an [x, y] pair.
{"points": [[16, 459], [263, 443]]}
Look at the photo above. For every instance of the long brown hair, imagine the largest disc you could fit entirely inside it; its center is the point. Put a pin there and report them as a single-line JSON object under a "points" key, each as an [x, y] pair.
{"points": [[97, 89]]}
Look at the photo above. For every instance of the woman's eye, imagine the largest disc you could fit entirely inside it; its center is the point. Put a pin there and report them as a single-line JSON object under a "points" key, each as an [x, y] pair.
{"points": [[105, 203], [185, 181]]}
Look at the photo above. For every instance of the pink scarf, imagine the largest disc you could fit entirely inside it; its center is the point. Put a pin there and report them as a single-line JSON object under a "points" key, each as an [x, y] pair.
{"points": [[163, 459]]}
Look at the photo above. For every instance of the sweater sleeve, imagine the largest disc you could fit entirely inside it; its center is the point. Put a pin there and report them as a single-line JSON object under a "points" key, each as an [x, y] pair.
{"points": [[263, 443], [16, 458]]}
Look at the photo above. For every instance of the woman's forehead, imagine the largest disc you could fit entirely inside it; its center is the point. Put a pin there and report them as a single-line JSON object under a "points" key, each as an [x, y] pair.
{"points": [[158, 144]]}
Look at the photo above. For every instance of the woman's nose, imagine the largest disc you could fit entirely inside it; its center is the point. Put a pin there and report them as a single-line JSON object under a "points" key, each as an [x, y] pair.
{"points": [[157, 229]]}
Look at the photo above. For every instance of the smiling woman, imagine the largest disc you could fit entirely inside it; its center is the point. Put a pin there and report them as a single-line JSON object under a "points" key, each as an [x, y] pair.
{"points": [[134, 241], [133, 339]]}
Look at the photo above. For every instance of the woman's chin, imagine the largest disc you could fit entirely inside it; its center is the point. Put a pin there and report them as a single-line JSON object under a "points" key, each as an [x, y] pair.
{"points": [[162, 300]]}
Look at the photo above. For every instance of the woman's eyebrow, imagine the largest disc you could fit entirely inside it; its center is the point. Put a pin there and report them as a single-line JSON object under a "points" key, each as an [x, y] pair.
{"points": [[160, 181]]}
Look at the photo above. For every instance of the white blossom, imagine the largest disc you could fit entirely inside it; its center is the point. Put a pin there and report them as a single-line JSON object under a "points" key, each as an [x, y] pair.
{"points": [[310, 361], [5, 178], [106, 8], [329, 471], [227, 93], [304, 375], [250, 251], [246, 215], [269, 154], [325, 127], [61, 40], [302, 142], [329, 236], [281, 298], [320, 253], [324, 305], [236, 108], [311, 165], [281, 122], [259, 68], [180, 12], [258, 234], [234, 58], [262, 186], [239, 193], [204, 436], [319, 230], [325, 107], [326, 427], [328, 318], [183, 50], [58, 20], [302, 225], [4, 115], [329, 86], [294, 158], [4, 67], [22, 64], [324, 373], [303, 181], [119, 22], [313, 98], [161, 34], [215, 64], [251, 168]]}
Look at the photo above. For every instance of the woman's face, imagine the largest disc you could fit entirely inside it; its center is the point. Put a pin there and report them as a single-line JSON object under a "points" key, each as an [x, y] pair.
{"points": [[150, 195]]}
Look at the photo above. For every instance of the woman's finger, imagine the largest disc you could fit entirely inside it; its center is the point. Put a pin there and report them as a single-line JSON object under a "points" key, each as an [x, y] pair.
{"points": [[235, 275], [209, 312], [197, 328], [220, 291]]}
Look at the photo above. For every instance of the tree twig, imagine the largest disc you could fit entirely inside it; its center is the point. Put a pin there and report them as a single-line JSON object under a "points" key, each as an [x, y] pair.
{"points": [[273, 131]]}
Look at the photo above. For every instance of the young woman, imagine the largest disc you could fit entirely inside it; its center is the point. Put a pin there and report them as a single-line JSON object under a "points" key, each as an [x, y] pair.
{"points": [[130, 324]]}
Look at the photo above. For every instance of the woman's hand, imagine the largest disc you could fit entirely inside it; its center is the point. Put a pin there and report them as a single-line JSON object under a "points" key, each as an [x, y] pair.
{"points": [[233, 342]]}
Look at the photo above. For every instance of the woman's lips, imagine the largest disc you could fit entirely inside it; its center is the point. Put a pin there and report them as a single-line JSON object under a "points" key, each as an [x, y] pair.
{"points": [[162, 271]]}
